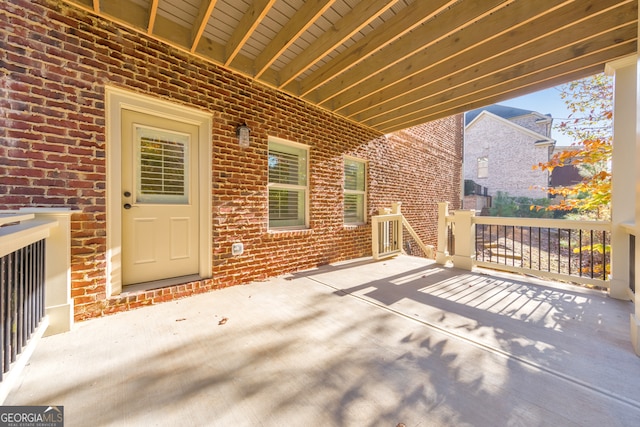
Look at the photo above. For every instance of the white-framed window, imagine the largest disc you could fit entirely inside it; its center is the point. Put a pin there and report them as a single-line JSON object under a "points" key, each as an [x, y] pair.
{"points": [[355, 191], [288, 184], [483, 167]]}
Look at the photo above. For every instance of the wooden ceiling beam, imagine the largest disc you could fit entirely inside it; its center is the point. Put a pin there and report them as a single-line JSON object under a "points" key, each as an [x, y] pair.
{"points": [[297, 25], [462, 66], [504, 83], [204, 13], [454, 51], [247, 25], [405, 21], [153, 12], [497, 98], [450, 21], [360, 16], [554, 61], [126, 11], [526, 43]]}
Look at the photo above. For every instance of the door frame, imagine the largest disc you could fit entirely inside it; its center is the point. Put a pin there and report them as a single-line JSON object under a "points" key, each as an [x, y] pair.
{"points": [[115, 101]]}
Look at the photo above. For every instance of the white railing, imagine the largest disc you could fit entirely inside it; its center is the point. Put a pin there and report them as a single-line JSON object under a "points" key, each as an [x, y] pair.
{"points": [[386, 238], [387, 234], [573, 251], [27, 225], [428, 250], [35, 284]]}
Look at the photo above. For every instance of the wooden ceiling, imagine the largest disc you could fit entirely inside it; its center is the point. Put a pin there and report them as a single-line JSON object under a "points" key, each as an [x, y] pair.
{"points": [[389, 64]]}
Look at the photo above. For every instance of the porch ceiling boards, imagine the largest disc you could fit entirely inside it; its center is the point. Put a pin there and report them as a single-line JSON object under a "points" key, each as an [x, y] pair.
{"points": [[387, 64]]}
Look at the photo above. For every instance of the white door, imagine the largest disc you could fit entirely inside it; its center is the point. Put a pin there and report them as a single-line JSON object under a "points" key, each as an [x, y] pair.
{"points": [[159, 198]]}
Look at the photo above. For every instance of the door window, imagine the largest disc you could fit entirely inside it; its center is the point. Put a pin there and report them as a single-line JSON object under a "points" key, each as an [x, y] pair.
{"points": [[162, 166]]}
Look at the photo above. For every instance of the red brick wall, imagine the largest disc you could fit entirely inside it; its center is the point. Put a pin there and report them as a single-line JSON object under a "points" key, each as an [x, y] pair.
{"points": [[55, 61]]}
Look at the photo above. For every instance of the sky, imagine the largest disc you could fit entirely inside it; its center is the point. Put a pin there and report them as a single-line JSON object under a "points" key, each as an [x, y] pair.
{"points": [[545, 102]]}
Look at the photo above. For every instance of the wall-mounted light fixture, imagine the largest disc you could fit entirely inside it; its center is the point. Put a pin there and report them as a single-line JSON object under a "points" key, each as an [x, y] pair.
{"points": [[243, 132]]}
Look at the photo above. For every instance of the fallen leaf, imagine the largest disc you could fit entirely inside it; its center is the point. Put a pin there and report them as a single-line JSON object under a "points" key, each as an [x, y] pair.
{"points": [[223, 321]]}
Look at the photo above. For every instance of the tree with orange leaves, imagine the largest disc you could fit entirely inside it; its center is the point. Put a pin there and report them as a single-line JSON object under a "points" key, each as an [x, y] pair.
{"points": [[590, 125]]}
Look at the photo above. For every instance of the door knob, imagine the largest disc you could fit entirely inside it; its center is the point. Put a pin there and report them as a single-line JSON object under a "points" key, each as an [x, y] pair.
{"points": [[127, 206]]}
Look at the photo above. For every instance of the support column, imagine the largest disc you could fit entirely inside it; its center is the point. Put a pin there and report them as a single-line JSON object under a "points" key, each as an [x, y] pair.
{"points": [[623, 162], [465, 252], [635, 316]]}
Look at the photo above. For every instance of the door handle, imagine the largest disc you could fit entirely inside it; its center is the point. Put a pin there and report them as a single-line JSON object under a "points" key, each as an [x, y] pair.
{"points": [[127, 206]]}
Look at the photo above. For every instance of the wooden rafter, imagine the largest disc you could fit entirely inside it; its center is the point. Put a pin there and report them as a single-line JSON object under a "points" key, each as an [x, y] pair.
{"points": [[487, 38], [298, 24], [250, 20], [397, 54], [409, 18], [359, 17], [204, 13], [528, 43], [387, 64], [153, 12], [494, 98], [503, 85]]}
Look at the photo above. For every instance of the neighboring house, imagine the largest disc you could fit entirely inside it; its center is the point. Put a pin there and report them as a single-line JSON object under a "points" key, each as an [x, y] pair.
{"points": [[501, 146], [139, 139]]}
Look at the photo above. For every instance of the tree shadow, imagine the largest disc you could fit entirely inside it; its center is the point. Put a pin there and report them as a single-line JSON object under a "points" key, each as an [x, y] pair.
{"points": [[558, 327], [294, 352]]}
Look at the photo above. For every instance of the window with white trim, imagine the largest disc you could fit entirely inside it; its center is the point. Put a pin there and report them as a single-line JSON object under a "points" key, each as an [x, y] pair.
{"points": [[288, 188], [483, 167], [355, 191]]}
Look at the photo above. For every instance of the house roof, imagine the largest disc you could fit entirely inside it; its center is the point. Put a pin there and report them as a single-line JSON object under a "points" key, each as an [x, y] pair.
{"points": [[503, 111], [391, 64], [538, 138]]}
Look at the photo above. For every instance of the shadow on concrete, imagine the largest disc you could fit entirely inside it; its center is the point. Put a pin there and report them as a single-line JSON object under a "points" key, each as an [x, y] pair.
{"points": [[298, 352]]}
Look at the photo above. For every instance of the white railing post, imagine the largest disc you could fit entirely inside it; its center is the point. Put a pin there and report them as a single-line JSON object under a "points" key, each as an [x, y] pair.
{"points": [[465, 252], [442, 251], [58, 301]]}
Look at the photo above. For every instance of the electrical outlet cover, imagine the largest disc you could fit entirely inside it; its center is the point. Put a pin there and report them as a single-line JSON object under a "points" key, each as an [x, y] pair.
{"points": [[237, 249]]}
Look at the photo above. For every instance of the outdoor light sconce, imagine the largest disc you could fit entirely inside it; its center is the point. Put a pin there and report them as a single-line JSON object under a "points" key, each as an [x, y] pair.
{"points": [[243, 132]]}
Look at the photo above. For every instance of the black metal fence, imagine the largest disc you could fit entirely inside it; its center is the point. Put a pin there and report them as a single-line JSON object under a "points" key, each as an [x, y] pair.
{"points": [[22, 306], [471, 188], [572, 252]]}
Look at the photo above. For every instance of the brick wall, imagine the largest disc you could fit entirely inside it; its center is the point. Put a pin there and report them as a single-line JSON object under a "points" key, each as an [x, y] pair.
{"points": [[533, 122], [512, 153], [55, 61]]}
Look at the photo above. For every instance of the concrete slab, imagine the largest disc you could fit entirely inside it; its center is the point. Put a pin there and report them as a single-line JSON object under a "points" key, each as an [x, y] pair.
{"points": [[357, 344]]}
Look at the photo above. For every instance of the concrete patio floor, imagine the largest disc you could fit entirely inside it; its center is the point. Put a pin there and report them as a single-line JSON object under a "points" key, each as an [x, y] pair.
{"points": [[361, 343]]}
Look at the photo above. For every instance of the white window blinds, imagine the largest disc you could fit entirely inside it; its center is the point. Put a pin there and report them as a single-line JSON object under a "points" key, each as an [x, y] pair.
{"points": [[162, 167], [287, 185], [355, 175]]}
